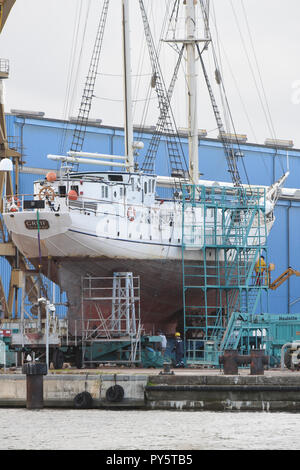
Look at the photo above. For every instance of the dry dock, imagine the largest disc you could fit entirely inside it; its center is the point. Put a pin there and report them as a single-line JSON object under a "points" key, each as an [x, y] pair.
{"points": [[185, 389]]}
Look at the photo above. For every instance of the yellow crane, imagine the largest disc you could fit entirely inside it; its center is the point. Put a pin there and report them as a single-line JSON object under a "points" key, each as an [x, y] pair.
{"points": [[5, 7], [283, 277]]}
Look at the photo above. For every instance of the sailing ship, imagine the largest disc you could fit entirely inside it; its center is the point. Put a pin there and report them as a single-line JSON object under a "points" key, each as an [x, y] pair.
{"points": [[96, 223]]}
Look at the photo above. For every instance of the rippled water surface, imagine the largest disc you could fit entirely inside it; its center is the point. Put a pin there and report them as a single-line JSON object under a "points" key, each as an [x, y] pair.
{"points": [[127, 430]]}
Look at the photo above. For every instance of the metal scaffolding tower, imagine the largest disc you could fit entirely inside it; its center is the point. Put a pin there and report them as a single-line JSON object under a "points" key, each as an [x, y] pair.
{"points": [[218, 262], [111, 325]]}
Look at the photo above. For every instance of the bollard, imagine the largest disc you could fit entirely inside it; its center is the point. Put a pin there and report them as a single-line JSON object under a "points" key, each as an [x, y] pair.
{"points": [[34, 384], [258, 361], [231, 361], [167, 369]]}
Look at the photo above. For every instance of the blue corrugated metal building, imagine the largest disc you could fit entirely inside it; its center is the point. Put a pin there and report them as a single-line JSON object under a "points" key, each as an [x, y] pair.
{"points": [[38, 137]]}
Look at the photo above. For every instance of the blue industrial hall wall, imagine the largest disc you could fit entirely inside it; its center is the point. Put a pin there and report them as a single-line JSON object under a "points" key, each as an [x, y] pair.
{"points": [[261, 165]]}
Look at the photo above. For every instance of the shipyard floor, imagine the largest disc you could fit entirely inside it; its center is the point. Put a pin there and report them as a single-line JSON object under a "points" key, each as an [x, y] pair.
{"points": [[188, 371]]}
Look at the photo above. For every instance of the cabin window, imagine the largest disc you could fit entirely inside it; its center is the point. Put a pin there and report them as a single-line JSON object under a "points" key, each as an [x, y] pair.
{"points": [[104, 192], [115, 177], [75, 188], [62, 191], [145, 187], [132, 184]]}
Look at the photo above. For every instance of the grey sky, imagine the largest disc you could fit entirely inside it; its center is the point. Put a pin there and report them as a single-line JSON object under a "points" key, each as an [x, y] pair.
{"points": [[37, 39]]}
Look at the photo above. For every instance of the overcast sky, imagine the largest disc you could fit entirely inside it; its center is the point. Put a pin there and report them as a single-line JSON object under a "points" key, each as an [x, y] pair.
{"points": [[38, 39]]}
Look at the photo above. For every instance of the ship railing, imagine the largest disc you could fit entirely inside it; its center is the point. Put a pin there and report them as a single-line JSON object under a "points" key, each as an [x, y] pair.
{"points": [[33, 202], [214, 234], [223, 196], [83, 204], [29, 203]]}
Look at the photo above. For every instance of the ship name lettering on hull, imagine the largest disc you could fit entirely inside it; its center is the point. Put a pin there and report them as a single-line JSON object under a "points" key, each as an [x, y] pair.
{"points": [[33, 224]]}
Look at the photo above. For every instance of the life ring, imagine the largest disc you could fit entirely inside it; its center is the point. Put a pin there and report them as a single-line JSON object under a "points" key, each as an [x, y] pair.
{"points": [[13, 204], [47, 193], [131, 213]]}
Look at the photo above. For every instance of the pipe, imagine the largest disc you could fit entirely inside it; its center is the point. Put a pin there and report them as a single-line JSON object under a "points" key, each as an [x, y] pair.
{"points": [[111, 145], [96, 155], [288, 255], [84, 160], [168, 181]]}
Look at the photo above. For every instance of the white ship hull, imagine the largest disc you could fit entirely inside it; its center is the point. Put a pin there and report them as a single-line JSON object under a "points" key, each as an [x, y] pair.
{"points": [[71, 236]]}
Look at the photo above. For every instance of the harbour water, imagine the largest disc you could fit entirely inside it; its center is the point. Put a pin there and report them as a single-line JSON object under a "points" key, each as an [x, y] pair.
{"points": [[53, 429]]}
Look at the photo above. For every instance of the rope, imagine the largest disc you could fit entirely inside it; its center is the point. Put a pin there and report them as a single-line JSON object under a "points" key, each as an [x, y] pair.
{"points": [[69, 97], [265, 112], [226, 108]]}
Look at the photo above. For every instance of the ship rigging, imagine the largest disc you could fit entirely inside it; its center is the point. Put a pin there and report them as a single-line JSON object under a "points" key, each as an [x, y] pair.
{"points": [[101, 222]]}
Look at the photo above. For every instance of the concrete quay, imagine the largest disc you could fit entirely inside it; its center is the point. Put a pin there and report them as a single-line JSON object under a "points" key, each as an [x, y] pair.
{"points": [[183, 389]]}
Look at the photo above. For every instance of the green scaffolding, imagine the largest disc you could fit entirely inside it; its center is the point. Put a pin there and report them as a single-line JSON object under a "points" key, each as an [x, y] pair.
{"points": [[224, 233]]}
